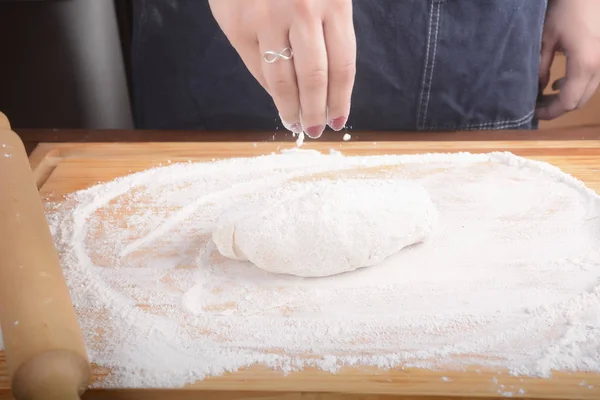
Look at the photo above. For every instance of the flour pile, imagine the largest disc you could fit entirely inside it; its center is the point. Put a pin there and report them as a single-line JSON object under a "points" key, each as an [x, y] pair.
{"points": [[510, 279]]}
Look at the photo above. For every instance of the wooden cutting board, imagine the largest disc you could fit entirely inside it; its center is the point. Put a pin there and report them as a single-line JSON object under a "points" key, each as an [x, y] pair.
{"points": [[63, 168]]}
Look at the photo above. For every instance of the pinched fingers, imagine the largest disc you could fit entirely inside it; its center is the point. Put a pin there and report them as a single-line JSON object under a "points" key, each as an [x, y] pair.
{"points": [[303, 52]]}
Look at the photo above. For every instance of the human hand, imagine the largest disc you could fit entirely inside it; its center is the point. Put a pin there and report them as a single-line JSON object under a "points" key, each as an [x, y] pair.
{"points": [[4, 124], [574, 27], [314, 87]]}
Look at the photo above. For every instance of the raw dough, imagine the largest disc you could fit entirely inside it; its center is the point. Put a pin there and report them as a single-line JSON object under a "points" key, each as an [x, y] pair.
{"points": [[325, 227]]}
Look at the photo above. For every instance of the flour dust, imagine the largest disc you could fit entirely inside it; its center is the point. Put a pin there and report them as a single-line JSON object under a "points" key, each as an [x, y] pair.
{"points": [[511, 279]]}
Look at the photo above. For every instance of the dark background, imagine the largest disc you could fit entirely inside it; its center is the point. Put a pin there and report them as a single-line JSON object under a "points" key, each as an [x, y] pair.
{"points": [[66, 63]]}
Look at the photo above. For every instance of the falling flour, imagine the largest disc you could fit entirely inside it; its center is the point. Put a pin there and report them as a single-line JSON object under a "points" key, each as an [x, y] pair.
{"points": [[511, 279]]}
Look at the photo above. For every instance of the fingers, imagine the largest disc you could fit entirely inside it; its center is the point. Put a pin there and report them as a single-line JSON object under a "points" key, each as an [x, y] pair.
{"points": [[245, 42], [250, 55], [340, 41], [280, 75], [571, 94], [552, 102], [547, 58], [314, 86], [310, 61], [568, 99], [590, 91]]}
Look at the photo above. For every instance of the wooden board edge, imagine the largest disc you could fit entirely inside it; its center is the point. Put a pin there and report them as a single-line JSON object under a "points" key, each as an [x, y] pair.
{"points": [[476, 382], [97, 394], [111, 149], [43, 160], [581, 132]]}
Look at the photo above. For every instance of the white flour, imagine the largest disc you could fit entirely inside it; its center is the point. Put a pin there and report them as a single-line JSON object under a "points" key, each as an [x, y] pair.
{"points": [[511, 280], [300, 140]]}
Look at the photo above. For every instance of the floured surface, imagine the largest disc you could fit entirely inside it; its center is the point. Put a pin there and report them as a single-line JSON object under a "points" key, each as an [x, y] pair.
{"points": [[510, 280]]}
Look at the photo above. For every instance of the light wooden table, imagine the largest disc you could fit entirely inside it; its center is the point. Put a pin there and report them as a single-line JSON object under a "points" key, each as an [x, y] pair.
{"points": [[62, 166]]}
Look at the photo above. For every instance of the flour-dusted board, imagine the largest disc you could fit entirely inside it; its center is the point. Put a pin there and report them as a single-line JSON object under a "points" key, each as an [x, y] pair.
{"points": [[63, 168]]}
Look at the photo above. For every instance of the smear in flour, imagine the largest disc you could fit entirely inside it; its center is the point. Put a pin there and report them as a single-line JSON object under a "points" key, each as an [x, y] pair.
{"points": [[510, 280]]}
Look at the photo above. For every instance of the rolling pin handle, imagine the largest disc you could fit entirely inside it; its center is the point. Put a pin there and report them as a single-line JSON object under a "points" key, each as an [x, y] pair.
{"points": [[45, 352], [4, 123], [53, 375]]}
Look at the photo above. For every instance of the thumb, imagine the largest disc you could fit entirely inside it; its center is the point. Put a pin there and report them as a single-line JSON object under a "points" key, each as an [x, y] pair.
{"points": [[549, 46]]}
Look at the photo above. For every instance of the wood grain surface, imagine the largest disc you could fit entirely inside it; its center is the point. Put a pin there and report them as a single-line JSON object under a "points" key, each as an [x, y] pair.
{"points": [[62, 168], [33, 136]]}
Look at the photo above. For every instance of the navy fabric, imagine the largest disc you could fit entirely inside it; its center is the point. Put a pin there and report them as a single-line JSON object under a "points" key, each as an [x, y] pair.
{"points": [[422, 65]]}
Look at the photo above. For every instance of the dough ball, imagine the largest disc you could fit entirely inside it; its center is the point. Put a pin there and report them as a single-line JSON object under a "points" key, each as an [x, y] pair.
{"points": [[325, 227]]}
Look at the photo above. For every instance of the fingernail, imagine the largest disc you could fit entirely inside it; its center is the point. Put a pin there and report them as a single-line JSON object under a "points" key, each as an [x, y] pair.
{"points": [[294, 128], [315, 132], [338, 123]]}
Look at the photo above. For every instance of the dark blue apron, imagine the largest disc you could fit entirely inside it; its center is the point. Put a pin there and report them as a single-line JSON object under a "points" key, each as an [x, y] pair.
{"points": [[422, 65]]}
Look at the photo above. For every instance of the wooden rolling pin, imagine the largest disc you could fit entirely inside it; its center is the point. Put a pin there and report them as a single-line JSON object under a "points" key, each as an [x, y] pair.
{"points": [[44, 347]]}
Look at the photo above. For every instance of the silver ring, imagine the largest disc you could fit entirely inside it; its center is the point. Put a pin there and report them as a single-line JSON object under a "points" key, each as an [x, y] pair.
{"points": [[273, 56]]}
